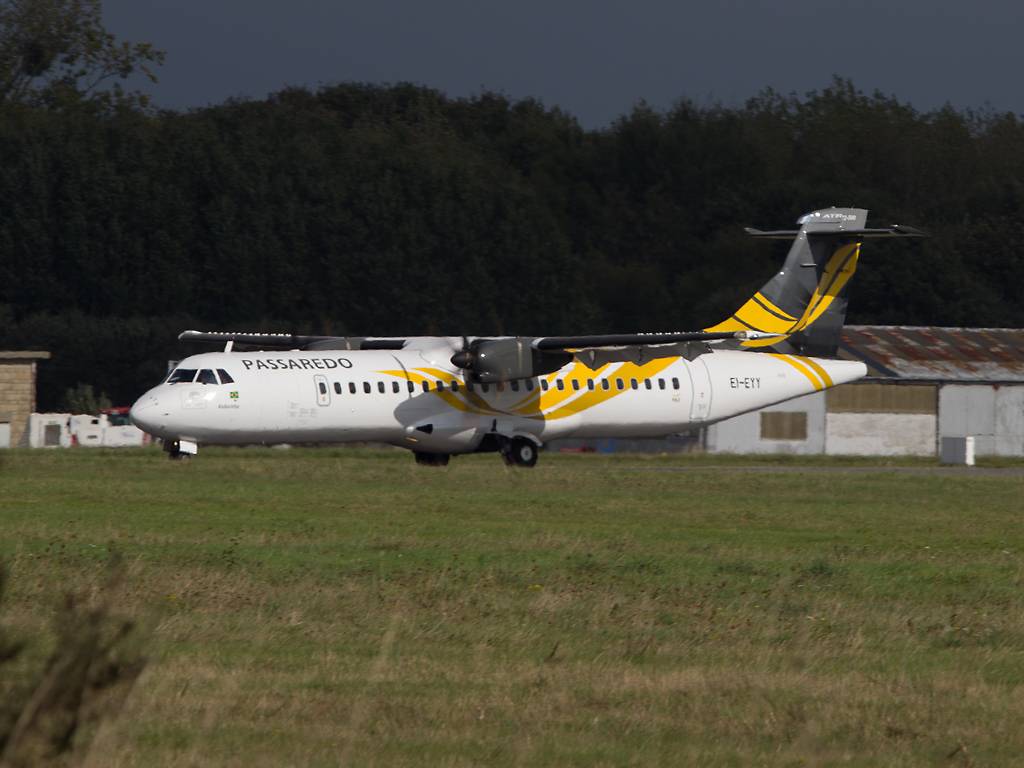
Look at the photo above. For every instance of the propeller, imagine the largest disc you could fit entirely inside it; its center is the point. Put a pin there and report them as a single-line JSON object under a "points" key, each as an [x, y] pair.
{"points": [[465, 357]]}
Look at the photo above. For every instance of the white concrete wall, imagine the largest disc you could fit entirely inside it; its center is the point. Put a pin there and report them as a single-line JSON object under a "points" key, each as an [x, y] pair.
{"points": [[742, 434], [994, 415], [880, 434]]}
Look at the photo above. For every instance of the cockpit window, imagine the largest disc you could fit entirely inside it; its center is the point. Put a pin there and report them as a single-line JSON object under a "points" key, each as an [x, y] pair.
{"points": [[182, 376], [225, 377], [206, 377]]}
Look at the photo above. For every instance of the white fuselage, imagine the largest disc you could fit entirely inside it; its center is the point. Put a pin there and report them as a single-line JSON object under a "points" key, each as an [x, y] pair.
{"points": [[416, 399]]}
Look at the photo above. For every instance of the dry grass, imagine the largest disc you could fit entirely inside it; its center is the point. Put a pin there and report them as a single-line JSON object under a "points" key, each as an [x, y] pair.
{"points": [[325, 608]]}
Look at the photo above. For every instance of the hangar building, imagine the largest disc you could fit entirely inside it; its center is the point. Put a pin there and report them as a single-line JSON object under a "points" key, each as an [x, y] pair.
{"points": [[17, 393], [923, 384]]}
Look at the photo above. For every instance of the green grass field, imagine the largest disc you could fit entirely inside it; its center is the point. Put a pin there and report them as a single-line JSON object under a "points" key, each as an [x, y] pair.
{"points": [[326, 607]]}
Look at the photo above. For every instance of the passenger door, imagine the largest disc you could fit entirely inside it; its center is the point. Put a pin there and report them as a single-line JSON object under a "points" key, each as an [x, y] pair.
{"points": [[700, 406]]}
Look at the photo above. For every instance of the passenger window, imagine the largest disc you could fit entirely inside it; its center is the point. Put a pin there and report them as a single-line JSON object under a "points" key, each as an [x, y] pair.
{"points": [[529, 385], [411, 386], [366, 387], [619, 384], [576, 384], [633, 383], [380, 387], [544, 384], [426, 386], [647, 383], [394, 387], [439, 386], [352, 387], [337, 388], [515, 386], [590, 384], [560, 384], [485, 387], [469, 386], [322, 387], [455, 386], [225, 377], [182, 376], [605, 384], [206, 377], [675, 383], [661, 383]]}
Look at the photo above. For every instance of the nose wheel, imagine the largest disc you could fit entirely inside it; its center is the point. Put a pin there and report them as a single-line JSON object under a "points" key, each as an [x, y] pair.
{"points": [[520, 452], [180, 449]]}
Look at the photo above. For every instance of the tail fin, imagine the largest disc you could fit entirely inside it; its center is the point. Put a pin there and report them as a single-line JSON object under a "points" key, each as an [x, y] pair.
{"points": [[804, 304]]}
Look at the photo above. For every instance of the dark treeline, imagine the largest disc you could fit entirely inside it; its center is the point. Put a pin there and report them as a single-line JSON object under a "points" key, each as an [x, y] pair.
{"points": [[395, 210]]}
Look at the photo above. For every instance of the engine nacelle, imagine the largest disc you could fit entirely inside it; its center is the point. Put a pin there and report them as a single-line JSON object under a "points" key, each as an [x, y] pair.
{"points": [[494, 360]]}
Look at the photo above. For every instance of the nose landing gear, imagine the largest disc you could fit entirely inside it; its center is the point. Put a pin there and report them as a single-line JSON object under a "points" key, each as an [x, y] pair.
{"points": [[180, 449]]}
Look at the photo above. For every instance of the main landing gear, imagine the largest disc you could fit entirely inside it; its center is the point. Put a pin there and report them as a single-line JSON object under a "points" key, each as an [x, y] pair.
{"points": [[519, 452], [514, 451], [431, 459]]}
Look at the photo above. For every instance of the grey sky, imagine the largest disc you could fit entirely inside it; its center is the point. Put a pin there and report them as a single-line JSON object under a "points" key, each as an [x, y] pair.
{"points": [[593, 59]]}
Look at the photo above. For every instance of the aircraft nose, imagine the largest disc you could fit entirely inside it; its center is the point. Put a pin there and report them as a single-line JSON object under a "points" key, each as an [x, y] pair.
{"points": [[144, 413]]}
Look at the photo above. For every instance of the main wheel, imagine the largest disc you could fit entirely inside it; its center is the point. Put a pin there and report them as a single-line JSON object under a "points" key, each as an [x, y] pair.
{"points": [[431, 459], [521, 452]]}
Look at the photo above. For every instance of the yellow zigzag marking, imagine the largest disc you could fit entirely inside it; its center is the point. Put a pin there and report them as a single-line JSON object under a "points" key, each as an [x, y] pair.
{"points": [[548, 406], [760, 314]]}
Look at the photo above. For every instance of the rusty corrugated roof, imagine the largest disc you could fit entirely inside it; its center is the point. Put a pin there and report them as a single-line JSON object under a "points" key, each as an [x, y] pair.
{"points": [[931, 353]]}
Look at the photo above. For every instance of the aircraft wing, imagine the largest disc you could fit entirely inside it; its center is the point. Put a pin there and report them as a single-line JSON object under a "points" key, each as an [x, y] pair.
{"points": [[566, 343], [292, 341]]}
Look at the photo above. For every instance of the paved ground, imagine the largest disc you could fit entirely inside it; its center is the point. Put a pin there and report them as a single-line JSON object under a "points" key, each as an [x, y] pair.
{"points": [[801, 470]]}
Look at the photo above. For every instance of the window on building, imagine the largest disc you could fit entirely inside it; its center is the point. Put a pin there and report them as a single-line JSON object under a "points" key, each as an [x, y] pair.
{"points": [[783, 425]]}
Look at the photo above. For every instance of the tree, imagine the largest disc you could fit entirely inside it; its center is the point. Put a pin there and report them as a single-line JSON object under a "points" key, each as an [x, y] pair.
{"points": [[56, 53]]}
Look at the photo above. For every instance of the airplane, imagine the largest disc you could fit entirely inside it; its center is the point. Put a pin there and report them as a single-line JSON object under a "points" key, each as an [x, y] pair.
{"points": [[442, 396]]}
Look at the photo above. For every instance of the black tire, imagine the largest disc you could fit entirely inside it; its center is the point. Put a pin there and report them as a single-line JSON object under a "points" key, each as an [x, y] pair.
{"points": [[431, 459], [522, 452]]}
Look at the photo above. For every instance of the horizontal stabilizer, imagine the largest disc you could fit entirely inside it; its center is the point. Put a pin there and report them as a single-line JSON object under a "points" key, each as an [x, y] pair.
{"points": [[896, 230]]}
